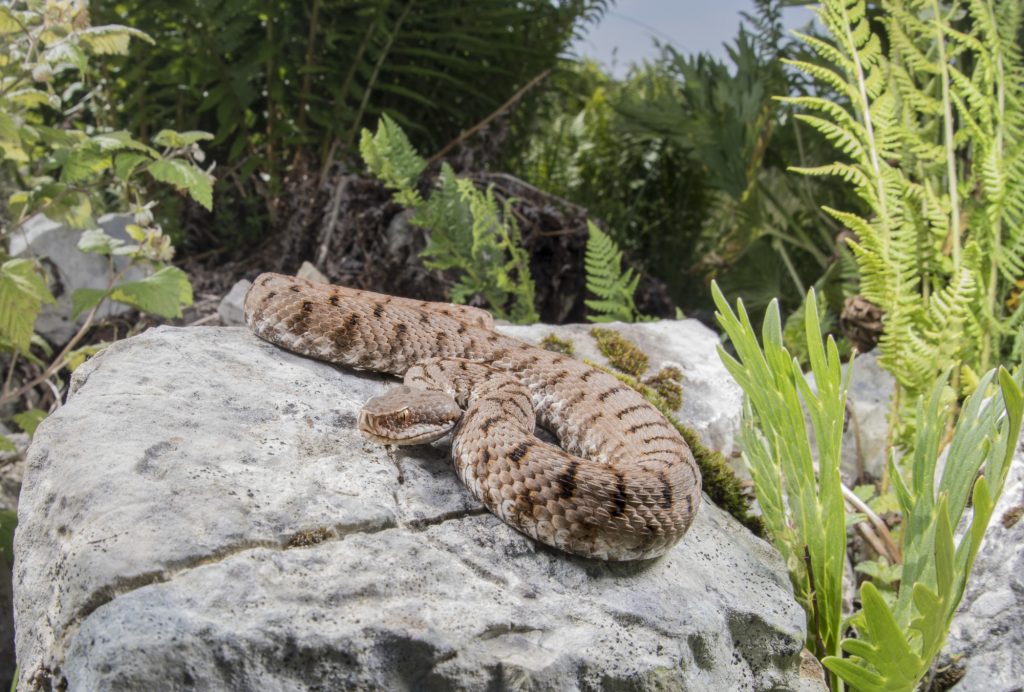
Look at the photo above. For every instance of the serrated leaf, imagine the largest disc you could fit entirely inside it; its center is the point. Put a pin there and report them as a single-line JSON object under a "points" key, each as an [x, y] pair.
{"points": [[184, 176], [125, 163], [112, 39], [8, 24], [96, 241], [8, 129], [164, 293], [82, 163], [73, 209], [177, 140], [29, 420], [121, 140], [22, 294], [83, 299]]}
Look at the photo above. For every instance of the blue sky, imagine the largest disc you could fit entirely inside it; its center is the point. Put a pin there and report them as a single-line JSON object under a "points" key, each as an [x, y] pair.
{"points": [[627, 32]]}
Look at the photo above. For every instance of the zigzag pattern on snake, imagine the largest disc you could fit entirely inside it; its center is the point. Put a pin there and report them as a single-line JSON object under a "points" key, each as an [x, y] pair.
{"points": [[623, 485]]}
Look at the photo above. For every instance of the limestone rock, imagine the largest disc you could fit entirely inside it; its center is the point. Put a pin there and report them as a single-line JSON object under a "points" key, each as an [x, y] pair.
{"points": [[867, 419], [231, 307], [986, 639], [70, 269], [202, 514]]}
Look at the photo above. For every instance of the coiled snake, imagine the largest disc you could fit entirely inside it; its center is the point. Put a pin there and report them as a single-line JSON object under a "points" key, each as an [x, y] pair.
{"points": [[624, 485]]}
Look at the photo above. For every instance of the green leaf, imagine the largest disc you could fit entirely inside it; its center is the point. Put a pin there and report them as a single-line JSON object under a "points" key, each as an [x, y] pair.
{"points": [[8, 24], [73, 209], [121, 141], [112, 39], [84, 162], [179, 140], [85, 299], [9, 129], [164, 293], [95, 240], [6, 445], [80, 355], [184, 176], [22, 293], [125, 164], [29, 420]]}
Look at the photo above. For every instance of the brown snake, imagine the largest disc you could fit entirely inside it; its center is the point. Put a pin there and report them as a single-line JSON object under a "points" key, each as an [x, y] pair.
{"points": [[625, 488]]}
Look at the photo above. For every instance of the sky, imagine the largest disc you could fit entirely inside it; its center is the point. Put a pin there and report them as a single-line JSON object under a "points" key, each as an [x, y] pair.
{"points": [[627, 32]]}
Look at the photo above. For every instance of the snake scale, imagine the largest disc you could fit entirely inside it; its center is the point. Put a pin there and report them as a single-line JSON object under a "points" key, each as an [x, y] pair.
{"points": [[623, 485]]}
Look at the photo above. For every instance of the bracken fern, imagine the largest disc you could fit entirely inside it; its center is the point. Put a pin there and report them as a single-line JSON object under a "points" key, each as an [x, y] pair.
{"points": [[930, 129], [613, 287]]}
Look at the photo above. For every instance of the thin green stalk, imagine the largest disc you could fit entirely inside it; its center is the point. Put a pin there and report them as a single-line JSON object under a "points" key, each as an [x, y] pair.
{"points": [[952, 178], [991, 337]]}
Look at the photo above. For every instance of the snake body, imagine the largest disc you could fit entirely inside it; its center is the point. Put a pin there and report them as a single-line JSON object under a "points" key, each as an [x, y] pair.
{"points": [[623, 485]]}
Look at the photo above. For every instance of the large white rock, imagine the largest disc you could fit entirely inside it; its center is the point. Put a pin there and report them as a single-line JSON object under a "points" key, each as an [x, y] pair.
{"points": [[202, 514], [986, 639], [70, 269]]}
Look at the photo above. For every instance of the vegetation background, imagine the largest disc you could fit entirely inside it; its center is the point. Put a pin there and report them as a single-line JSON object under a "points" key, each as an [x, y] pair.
{"points": [[860, 183]]}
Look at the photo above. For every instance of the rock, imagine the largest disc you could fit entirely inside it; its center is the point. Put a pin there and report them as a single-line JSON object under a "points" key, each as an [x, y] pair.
{"points": [[310, 272], [70, 269], [231, 307], [867, 419], [867, 413], [202, 514], [712, 400], [987, 634]]}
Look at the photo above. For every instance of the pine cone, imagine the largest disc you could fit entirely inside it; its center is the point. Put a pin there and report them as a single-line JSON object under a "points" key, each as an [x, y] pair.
{"points": [[861, 322]]}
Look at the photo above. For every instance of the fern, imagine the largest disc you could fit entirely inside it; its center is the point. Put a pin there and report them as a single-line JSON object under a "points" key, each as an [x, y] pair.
{"points": [[469, 233], [613, 287], [928, 131]]}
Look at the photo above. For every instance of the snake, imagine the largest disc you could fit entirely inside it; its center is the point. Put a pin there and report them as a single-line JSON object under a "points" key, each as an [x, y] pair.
{"points": [[621, 484]]}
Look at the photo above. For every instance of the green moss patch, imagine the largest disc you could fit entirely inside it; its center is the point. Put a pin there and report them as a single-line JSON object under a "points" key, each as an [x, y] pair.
{"points": [[551, 342], [622, 354]]}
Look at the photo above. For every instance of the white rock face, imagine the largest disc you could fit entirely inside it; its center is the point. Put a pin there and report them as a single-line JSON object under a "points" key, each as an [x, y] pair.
{"points": [[71, 269], [231, 309], [986, 638], [203, 515]]}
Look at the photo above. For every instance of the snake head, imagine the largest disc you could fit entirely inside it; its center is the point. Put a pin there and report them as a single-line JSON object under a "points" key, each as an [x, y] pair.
{"points": [[407, 416]]}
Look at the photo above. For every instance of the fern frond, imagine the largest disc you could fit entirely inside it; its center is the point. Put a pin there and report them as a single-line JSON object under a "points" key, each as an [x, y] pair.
{"points": [[606, 280]]}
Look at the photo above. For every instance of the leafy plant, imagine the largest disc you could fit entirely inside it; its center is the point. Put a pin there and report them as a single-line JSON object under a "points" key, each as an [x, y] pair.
{"points": [[613, 287], [57, 159], [802, 507], [469, 233], [929, 119], [803, 502], [288, 86]]}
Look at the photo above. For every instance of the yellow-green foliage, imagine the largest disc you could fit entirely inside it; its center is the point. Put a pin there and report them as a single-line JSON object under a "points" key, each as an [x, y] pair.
{"points": [[929, 118], [468, 231], [552, 342], [897, 638], [613, 287], [621, 353]]}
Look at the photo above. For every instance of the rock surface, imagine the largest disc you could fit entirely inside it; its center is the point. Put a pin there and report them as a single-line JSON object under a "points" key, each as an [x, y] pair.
{"points": [[202, 514], [70, 269], [867, 420], [231, 309], [986, 639]]}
